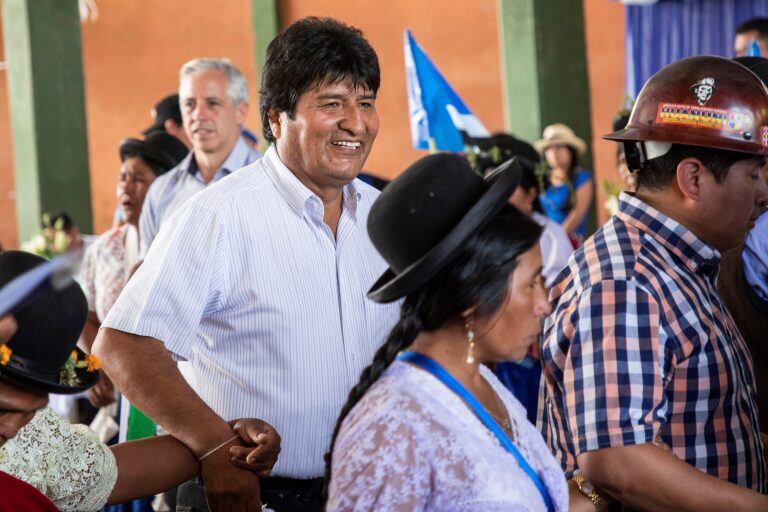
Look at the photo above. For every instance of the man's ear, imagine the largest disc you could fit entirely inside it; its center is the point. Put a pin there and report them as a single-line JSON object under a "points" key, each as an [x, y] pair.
{"points": [[690, 173], [274, 122], [241, 112]]}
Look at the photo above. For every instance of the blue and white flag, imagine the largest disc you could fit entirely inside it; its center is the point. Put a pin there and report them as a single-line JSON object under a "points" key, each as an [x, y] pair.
{"points": [[437, 113]]}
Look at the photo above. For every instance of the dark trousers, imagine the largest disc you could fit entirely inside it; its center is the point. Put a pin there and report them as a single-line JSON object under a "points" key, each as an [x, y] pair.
{"points": [[279, 494]]}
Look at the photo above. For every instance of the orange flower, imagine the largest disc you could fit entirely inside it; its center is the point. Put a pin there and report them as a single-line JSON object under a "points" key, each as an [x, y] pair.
{"points": [[94, 364], [73, 355], [5, 354]]}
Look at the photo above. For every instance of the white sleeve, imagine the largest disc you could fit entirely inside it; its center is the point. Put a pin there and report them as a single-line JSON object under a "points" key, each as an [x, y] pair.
{"points": [[182, 276]]}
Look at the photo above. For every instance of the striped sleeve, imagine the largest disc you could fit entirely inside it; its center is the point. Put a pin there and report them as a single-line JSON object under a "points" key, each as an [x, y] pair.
{"points": [[613, 391], [181, 278]]}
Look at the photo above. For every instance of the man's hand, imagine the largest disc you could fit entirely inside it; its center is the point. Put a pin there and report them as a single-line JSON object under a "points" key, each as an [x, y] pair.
{"points": [[103, 393], [265, 439], [7, 328], [228, 488]]}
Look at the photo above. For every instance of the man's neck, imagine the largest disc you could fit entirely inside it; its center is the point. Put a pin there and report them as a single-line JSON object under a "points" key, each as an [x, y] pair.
{"points": [[209, 163], [670, 203]]}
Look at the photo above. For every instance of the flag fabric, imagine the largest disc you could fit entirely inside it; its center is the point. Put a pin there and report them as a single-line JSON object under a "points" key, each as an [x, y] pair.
{"points": [[439, 117]]}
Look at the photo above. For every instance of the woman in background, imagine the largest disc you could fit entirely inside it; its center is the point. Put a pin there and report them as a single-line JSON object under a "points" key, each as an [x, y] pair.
{"points": [[568, 190]]}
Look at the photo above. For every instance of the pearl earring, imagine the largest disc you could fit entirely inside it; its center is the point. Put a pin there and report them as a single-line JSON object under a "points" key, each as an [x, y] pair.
{"points": [[470, 342]]}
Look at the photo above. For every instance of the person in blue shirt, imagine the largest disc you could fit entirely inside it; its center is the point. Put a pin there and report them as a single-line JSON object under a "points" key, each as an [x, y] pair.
{"points": [[567, 190]]}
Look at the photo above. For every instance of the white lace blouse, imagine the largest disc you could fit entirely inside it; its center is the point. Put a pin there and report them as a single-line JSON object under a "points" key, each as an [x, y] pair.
{"points": [[411, 444], [65, 462]]}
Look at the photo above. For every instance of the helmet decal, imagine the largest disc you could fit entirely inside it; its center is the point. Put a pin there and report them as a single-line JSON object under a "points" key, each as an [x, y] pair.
{"points": [[704, 89], [704, 117]]}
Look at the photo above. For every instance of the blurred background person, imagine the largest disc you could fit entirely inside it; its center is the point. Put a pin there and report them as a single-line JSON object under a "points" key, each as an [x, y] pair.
{"points": [[567, 190], [749, 32], [167, 118]]}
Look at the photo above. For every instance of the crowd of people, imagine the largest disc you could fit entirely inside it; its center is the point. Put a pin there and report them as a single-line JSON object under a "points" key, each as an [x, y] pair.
{"points": [[282, 334]]}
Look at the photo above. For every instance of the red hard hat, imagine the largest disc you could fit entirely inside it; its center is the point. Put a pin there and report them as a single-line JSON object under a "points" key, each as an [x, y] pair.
{"points": [[701, 101]]}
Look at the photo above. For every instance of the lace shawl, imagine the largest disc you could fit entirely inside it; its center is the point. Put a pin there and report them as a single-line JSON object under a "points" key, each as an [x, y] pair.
{"points": [[412, 444], [65, 462]]}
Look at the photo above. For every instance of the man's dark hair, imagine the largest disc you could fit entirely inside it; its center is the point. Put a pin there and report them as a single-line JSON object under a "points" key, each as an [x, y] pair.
{"points": [[660, 171], [311, 52], [759, 25]]}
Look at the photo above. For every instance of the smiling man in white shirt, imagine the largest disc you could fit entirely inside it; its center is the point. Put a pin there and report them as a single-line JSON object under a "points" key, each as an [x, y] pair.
{"points": [[260, 281]]}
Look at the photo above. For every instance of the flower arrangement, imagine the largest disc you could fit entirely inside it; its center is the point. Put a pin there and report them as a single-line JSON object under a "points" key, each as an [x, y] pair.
{"points": [[68, 374], [52, 241], [612, 202]]}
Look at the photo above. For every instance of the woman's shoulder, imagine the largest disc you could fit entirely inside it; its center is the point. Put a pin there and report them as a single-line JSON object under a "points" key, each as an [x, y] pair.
{"points": [[66, 462], [580, 177]]}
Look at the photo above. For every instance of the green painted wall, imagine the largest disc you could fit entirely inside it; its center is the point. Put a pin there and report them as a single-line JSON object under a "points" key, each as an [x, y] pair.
{"points": [[47, 107], [544, 66], [266, 25]]}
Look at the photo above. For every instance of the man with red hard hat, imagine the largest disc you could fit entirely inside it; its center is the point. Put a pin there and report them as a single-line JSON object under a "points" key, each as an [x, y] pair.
{"points": [[649, 389]]}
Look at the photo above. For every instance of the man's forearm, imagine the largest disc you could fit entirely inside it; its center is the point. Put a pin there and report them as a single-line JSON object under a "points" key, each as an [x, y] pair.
{"points": [[145, 372], [647, 477]]}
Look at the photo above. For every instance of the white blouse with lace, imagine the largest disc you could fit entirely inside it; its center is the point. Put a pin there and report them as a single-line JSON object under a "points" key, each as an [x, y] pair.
{"points": [[65, 462], [411, 444]]}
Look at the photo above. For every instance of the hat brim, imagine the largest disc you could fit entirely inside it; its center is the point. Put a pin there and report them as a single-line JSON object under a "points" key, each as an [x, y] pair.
{"points": [[392, 286], [22, 377], [574, 142]]}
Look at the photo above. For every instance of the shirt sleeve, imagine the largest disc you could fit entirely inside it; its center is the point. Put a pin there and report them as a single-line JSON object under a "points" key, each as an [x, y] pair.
{"points": [[614, 368], [581, 177], [181, 278]]}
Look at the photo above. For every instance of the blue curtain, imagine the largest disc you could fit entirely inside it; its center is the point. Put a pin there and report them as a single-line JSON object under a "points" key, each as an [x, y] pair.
{"points": [[669, 30]]}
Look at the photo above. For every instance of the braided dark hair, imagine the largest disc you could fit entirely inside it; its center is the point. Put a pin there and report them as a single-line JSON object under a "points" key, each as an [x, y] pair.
{"points": [[477, 277]]}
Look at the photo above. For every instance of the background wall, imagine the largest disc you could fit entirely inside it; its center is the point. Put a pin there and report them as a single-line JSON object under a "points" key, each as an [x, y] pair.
{"points": [[133, 50], [604, 31], [8, 232]]}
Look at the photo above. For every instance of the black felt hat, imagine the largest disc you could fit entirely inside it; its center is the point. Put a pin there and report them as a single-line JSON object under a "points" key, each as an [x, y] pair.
{"points": [[162, 148], [422, 218], [49, 325], [166, 108]]}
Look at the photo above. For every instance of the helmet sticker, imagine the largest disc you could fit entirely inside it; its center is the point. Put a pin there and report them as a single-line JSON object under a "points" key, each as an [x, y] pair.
{"points": [[704, 89], [703, 117], [764, 136]]}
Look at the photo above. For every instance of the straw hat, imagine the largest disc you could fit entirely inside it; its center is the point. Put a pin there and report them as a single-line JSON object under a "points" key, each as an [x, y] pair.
{"points": [[560, 135]]}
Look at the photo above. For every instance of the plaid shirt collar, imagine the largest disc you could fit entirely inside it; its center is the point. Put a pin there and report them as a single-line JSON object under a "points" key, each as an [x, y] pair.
{"points": [[696, 255]]}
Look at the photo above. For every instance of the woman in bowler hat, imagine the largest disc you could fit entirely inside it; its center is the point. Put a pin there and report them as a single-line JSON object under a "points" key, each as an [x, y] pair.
{"points": [[67, 463], [428, 426]]}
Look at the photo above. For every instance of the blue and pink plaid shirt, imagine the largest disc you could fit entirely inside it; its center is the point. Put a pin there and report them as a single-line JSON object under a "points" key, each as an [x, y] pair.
{"points": [[640, 347]]}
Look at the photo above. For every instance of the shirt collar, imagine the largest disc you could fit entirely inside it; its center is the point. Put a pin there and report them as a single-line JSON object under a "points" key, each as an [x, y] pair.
{"points": [[298, 195], [236, 159], [697, 255]]}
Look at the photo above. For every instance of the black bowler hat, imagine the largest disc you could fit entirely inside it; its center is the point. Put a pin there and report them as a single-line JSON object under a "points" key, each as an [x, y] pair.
{"points": [[49, 325], [161, 148], [166, 108], [422, 218]]}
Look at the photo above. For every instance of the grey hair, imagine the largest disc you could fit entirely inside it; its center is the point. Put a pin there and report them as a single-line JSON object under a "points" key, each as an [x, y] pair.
{"points": [[238, 87]]}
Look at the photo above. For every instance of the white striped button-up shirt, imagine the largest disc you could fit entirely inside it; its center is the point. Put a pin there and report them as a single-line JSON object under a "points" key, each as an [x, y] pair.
{"points": [[249, 285]]}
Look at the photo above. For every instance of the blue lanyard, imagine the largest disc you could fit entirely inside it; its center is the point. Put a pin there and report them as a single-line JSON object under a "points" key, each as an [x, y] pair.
{"points": [[454, 385]]}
